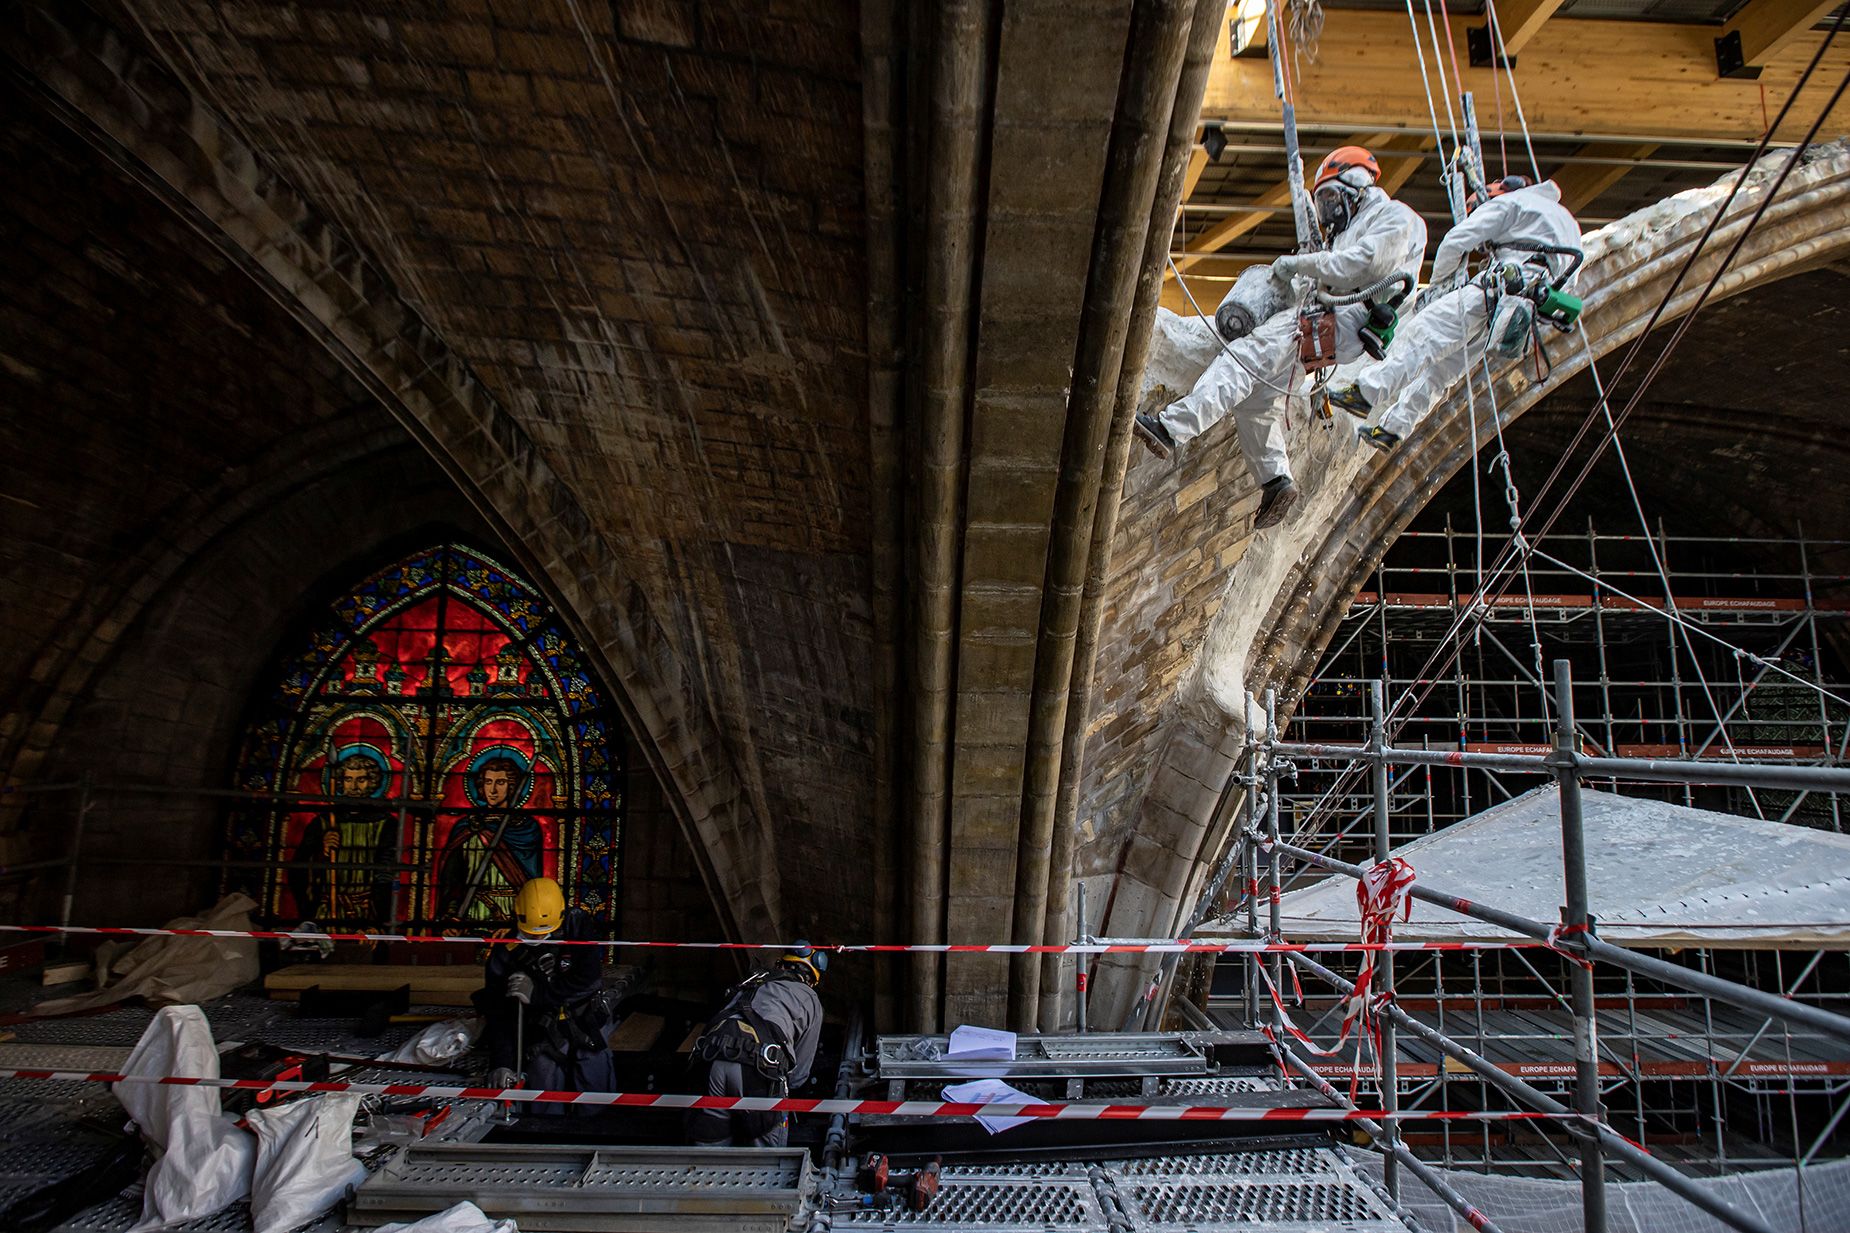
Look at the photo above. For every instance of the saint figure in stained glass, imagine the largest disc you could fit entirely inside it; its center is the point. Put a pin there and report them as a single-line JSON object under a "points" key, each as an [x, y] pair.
{"points": [[492, 849], [338, 869]]}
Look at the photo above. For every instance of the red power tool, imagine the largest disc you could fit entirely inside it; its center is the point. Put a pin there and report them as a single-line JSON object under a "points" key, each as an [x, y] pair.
{"points": [[885, 1190]]}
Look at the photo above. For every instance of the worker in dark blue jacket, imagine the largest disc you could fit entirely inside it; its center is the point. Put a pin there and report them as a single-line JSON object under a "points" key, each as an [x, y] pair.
{"points": [[546, 1002]]}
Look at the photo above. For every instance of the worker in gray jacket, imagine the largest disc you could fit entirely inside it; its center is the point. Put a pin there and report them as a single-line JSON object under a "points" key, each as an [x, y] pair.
{"points": [[1532, 244], [761, 1043]]}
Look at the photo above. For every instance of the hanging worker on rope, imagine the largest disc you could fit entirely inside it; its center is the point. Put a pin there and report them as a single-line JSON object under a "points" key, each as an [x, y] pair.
{"points": [[762, 1042], [1373, 241], [1532, 245], [543, 1007]]}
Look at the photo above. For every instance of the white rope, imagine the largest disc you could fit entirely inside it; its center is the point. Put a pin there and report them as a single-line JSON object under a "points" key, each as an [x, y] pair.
{"points": [[1214, 328], [1496, 31], [1419, 51], [1444, 86]]}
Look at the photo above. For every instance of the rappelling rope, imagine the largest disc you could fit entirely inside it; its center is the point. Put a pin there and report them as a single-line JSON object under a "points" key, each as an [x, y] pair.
{"points": [[1496, 32], [1419, 52], [1451, 645]]}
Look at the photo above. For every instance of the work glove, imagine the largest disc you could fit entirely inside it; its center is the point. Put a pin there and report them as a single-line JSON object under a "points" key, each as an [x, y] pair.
{"points": [[1290, 266], [545, 962], [501, 1076]]}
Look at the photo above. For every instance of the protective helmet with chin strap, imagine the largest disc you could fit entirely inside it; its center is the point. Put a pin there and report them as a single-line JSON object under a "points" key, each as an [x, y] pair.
{"points": [[1496, 188], [805, 960], [1342, 177]]}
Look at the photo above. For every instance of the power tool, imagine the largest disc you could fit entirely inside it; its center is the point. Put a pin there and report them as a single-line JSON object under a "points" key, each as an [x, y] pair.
{"points": [[884, 1190]]}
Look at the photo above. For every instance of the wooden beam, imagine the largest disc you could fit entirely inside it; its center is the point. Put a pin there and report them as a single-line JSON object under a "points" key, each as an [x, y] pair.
{"points": [[1197, 163], [1767, 26], [1233, 226], [1400, 156], [1582, 183], [1588, 78], [1519, 20]]}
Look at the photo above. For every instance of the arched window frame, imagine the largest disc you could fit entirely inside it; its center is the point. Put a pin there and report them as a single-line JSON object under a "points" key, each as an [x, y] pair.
{"points": [[337, 708]]}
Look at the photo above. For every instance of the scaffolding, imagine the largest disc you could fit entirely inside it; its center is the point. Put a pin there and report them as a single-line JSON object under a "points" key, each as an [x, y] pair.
{"points": [[1693, 1078], [1573, 1048], [1644, 690]]}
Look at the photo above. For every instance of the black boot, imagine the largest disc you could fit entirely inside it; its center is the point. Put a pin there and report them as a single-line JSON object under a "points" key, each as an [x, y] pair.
{"points": [[1154, 436], [1275, 501], [1380, 438], [1349, 398]]}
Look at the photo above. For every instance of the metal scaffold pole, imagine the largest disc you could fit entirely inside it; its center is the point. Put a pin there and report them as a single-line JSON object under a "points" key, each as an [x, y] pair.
{"points": [[1575, 919], [1384, 963], [1275, 931]]}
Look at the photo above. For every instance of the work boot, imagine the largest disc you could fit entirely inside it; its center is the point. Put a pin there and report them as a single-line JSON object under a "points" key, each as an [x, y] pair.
{"points": [[1275, 501], [1349, 398], [1154, 436], [1380, 438]]}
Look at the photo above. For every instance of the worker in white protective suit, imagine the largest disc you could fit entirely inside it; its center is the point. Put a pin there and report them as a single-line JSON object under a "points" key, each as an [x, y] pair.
{"points": [[1532, 243], [1372, 237]]}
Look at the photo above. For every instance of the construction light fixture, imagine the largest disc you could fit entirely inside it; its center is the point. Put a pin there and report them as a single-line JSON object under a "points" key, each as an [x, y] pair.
{"points": [[1213, 140], [1246, 26]]}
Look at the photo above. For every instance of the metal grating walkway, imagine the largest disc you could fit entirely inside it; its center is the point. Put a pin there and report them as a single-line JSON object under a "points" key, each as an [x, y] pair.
{"points": [[1290, 1190]]}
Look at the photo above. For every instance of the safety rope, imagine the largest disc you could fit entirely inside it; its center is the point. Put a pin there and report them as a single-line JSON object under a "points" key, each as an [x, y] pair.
{"points": [[1496, 33], [1451, 645], [1214, 329]]}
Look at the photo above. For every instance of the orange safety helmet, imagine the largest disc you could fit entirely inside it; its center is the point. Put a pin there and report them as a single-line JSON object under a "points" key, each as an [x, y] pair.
{"points": [[1496, 188], [1345, 158]]}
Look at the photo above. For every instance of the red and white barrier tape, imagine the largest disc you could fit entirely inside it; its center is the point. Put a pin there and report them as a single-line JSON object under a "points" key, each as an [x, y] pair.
{"points": [[774, 1104], [1178, 946]]}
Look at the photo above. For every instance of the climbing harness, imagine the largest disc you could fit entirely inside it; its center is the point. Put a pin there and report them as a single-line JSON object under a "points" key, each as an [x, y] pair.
{"points": [[740, 1034]]}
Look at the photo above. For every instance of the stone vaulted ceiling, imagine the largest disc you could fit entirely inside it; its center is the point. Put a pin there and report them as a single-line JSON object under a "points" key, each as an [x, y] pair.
{"points": [[793, 350]]}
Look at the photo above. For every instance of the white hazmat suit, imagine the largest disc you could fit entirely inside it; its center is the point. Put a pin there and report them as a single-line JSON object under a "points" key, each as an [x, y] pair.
{"points": [[1442, 339], [1383, 238]]}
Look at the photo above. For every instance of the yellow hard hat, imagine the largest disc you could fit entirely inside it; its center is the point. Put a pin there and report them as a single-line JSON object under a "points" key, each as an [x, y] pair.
{"points": [[539, 905]]}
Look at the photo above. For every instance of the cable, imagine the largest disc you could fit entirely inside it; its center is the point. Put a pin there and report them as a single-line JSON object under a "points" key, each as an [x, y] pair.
{"points": [[1215, 329], [1496, 32], [1419, 51]]}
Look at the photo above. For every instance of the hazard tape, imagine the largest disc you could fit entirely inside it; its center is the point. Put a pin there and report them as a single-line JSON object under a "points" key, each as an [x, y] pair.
{"points": [[776, 1104], [1177, 946]]}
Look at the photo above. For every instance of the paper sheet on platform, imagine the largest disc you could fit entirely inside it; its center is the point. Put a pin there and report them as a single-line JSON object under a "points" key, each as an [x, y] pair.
{"points": [[980, 1044], [990, 1092]]}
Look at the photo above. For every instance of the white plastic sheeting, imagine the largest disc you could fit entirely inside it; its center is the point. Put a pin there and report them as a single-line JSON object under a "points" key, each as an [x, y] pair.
{"points": [[440, 1042], [1181, 348], [305, 1161], [202, 1160], [465, 1217], [166, 971], [1657, 875]]}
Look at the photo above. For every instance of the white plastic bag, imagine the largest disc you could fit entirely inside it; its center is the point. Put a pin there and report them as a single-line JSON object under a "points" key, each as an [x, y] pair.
{"points": [[202, 1160], [440, 1042], [465, 1217], [305, 1160]]}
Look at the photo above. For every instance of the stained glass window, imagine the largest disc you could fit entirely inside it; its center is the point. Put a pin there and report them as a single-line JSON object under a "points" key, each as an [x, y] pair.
{"points": [[434, 741]]}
